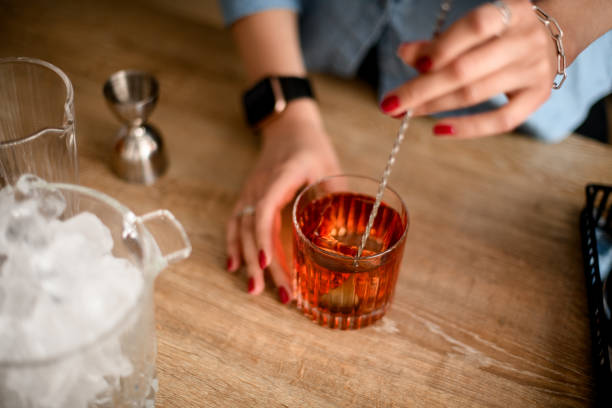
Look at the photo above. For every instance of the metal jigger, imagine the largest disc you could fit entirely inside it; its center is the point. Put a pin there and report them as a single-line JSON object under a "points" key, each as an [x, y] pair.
{"points": [[138, 155]]}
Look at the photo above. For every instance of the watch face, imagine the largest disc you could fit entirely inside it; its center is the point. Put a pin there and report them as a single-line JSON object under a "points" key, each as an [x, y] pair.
{"points": [[259, 102]]}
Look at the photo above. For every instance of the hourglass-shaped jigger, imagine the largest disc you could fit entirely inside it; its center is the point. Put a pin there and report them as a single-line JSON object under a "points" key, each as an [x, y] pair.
{"points": [[138, 154]]}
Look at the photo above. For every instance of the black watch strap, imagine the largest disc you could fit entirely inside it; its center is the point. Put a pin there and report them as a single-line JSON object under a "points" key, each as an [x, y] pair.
{"points": [[270, 96], [296, 87]]}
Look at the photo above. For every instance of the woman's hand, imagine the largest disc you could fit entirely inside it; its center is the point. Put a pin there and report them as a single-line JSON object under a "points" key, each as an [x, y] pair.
{"points": [[478, 57], [296, 151]]}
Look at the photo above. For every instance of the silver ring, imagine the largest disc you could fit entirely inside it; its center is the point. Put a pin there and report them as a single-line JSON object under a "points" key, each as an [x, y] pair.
{"points": [[506, 13], [247, 210]]}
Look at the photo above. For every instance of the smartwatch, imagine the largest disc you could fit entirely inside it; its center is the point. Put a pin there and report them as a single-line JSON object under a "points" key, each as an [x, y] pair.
{"points": [[269, 98]]}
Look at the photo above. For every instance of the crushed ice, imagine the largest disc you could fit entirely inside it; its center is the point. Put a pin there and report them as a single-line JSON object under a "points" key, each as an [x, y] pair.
{"points": [[61, 289]]}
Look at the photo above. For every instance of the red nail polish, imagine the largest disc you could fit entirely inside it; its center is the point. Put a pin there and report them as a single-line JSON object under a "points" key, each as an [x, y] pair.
{"points": [[283, 295], [401, 115], [251, 285], [230, 263], [443, 129], [424, 64], [389, 103], [262, 259]]}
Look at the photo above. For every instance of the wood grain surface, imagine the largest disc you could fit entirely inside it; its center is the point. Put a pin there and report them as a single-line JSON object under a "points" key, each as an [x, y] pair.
{"points": [[490, 308]]}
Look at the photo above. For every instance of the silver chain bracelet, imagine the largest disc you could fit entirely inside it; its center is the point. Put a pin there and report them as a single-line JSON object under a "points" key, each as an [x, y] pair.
{"points": [[557, 34]]}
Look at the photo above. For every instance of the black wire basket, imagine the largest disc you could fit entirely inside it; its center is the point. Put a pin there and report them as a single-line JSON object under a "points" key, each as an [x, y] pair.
{"points": [[596, 230]]}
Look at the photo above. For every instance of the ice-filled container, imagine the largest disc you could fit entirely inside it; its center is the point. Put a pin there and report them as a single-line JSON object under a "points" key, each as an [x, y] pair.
{"points": [[77, 270]]}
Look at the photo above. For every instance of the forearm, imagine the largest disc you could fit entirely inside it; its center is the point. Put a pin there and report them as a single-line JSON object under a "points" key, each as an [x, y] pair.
{"points": [[582, 22], [268, 43]]}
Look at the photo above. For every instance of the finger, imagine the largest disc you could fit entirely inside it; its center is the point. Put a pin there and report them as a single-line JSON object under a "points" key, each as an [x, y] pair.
{"points": [[409, 51], [503, 81], [249, 252], [480, 25], [282, 281], [232, 243], [473, 65], [520, 105], [278, 265], [280, 192]]}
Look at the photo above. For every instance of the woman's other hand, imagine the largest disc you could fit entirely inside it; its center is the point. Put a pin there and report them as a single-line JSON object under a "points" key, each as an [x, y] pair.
{"points": [[481, 55], [295, 151]]}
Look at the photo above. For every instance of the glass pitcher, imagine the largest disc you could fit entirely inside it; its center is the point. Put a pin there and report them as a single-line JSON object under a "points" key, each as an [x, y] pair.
{"points": [[117, 367], [37, 128]]}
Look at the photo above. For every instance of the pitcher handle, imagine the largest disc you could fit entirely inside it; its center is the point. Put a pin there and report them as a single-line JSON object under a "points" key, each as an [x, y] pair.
{"points": [[168, 219]]}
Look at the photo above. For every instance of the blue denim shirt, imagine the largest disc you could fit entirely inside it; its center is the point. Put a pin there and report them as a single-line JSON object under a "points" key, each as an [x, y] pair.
{"points": [[337, 34]]}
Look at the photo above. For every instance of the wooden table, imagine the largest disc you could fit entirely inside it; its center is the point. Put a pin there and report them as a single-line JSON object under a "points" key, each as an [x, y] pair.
{"points": [[490, 308]]}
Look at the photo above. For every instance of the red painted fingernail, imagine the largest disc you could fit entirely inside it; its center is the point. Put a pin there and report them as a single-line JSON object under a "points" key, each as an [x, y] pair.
{"points": [[230, 263], [262, 259], [389, 103], [283, 295], [443, 129], [401, 115], [251, 285], [424, 64]]}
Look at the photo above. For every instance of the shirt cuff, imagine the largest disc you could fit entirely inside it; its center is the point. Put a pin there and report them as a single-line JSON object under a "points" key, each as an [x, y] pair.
{"points": [[234, 10]]}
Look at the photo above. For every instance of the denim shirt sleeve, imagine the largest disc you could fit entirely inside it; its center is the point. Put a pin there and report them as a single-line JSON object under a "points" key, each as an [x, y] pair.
{"points": [[233, 10]]}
